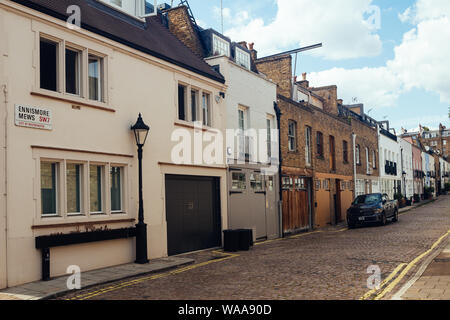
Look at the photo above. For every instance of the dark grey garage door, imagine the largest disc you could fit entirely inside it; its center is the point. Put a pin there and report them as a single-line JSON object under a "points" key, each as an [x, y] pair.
{"points": [[193, 213]]}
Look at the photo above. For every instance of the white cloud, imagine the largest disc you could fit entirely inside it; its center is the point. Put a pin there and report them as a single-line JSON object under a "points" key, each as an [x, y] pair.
{"points": [[373, 86], [345, 28], [420, 61]]}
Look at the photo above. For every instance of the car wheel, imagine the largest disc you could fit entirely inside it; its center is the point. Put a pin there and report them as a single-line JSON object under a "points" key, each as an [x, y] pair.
{"points": [[383, 219], [395, 216]]}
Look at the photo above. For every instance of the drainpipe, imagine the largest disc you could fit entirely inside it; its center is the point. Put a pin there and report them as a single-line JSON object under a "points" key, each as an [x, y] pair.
{"points": [[354, 163], [5, 207], [280, 204]]}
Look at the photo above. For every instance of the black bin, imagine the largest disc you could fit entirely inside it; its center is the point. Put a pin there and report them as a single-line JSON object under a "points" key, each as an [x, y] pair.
{"points": [[230, 240], [245, 239]]}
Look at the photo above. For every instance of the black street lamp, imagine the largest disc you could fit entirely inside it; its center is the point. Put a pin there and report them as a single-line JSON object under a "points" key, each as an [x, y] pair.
{"points": [[141, 130]]}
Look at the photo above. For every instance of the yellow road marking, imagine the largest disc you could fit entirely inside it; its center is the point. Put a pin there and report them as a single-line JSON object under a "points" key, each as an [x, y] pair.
{"points": [[385, 281], [125, 284], [409, 266]]}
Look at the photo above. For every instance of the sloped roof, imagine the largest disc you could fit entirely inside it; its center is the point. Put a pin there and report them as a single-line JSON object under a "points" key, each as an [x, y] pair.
{"points": [[150, 37]]}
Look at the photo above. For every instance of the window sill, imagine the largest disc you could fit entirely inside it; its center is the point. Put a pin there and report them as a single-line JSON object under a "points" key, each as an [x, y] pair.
{"points": [[190, 125], [74, 100], [60, 222]]}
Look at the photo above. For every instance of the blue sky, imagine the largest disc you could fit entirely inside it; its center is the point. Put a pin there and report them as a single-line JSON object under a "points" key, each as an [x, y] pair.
{"points": [[405, 81]]}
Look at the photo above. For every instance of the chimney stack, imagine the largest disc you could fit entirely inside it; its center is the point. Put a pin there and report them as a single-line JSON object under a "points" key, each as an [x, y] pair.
{"points": [[253, 52], [304, 76], [243, 44]]}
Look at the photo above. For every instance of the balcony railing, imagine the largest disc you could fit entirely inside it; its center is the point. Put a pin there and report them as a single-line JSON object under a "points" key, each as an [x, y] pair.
{"points": [[390, 168]]}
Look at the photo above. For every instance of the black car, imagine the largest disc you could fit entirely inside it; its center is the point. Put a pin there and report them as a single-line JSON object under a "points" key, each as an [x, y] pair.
{"points": [[372, 208]]}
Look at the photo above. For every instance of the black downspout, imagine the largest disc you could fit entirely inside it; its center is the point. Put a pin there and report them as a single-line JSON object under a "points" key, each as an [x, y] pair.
{"points": [[280, 179]]}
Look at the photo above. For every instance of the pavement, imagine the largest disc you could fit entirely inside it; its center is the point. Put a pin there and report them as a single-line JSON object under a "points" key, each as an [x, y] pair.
{"points": [[56, 287], [432, 281]]}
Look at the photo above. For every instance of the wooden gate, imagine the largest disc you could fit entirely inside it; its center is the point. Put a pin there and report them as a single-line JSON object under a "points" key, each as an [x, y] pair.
{"points": [[296, 205]]}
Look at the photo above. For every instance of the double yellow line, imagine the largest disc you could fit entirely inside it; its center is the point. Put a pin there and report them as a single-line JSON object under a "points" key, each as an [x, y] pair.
{"points": [[392, 282], [125, 284]]}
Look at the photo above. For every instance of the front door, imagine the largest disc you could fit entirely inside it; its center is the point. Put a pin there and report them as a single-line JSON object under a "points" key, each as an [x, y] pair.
{"points": [[272, 217], [296, 207], [247, 201], [337, 208]]}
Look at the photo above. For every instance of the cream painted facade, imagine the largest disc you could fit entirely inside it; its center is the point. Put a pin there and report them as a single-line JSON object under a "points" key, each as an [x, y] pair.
{"points": [[3, 104], [253, 95], [389, 151], [87, 132]]}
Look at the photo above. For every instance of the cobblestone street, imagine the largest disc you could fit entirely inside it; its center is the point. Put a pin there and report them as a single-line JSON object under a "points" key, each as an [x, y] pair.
{"points": [[328, 264]]}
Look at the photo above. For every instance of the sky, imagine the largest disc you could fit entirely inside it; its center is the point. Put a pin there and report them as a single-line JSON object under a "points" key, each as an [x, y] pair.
{"points": [[393, 56]]}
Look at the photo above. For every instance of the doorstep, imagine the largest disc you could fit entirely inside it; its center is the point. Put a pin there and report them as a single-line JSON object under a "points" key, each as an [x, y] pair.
{"points": [[41, 290]]}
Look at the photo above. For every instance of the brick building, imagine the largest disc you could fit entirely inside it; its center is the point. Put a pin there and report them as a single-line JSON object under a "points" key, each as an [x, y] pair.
{"points": [[367, 166], [437, 140], [315, 149]]}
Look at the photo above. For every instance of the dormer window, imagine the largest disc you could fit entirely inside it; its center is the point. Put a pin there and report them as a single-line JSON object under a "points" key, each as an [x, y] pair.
{"points": [[136, 8], [220, 47], [242, 58]]}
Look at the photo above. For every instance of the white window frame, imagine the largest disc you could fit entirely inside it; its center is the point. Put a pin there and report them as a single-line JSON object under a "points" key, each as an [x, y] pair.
{"points": [[60, 62], [82, 187], [292, 137], [80, 55], [43, 32], [206, 113], [308, 145], [58, 182], [103, 188], [198, 115], [242, 58], [217, 39], [122, 181], [101, 82]]}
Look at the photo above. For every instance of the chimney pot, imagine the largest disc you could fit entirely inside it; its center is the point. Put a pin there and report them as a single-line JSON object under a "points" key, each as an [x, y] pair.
{"points": [[251, 45], [304, 76]]}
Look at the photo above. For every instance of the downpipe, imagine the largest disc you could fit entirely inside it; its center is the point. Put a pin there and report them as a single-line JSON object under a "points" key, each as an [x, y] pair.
{"points": [[5, 195], [354, 164]]}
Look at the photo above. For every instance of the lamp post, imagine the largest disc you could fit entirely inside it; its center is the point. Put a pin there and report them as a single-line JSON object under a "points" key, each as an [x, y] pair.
{"points": [[141, 130]]}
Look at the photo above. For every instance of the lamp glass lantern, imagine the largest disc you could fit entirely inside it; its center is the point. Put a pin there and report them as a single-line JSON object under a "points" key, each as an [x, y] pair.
{"points": [[140, 130]]}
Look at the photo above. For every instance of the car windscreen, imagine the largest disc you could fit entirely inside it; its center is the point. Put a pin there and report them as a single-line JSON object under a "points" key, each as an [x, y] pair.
{"points": [[368, 199]]}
